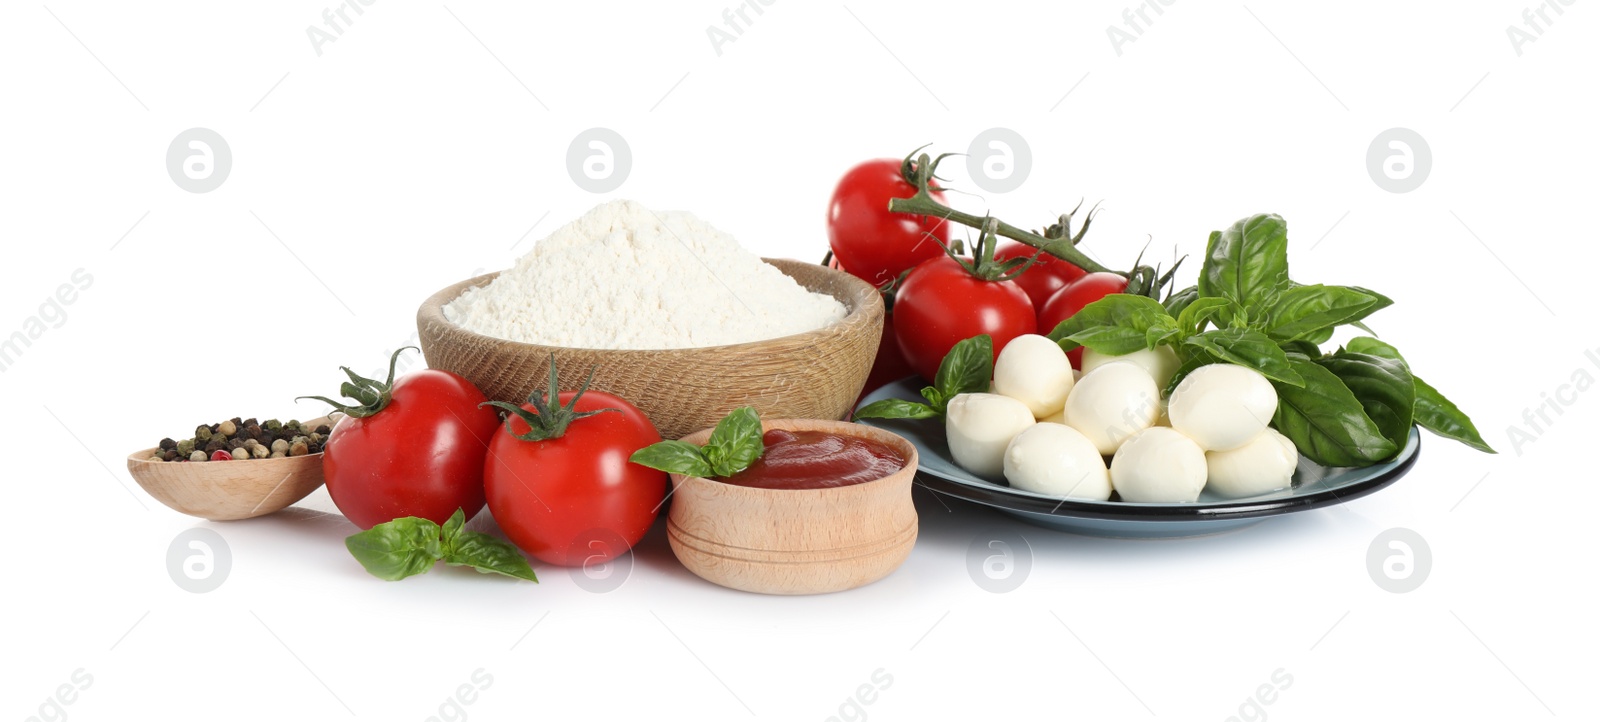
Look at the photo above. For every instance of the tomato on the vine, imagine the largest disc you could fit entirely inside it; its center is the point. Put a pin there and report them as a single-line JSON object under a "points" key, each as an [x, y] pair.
{"points": [[1073, 297], [1047, 275], [941, 303], [559, 481], [870, 242], [890, 364], [408, 448]]}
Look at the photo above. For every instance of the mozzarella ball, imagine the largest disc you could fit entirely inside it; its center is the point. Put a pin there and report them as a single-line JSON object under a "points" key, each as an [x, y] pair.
{"points": [[1222, 406], [1112, 403], [980, 426], [1057, 460], [1159, 465], [1264, 464], [1160, 363], [1034, 370]]}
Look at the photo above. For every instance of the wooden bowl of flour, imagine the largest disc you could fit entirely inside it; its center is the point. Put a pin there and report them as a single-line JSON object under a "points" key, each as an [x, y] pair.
{"points": [[812, 375]]}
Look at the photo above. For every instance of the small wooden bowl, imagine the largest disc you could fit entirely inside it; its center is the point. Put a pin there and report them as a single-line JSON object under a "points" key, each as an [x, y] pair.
{"points": [[796, 541], [816, 375], [228, 490]]}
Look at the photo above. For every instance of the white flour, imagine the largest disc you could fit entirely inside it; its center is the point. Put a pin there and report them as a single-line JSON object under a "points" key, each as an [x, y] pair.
{"points": [[626, 277]]}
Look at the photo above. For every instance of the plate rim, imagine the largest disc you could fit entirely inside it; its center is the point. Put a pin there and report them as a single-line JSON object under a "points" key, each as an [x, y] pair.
{"points": [[1005, 499]]}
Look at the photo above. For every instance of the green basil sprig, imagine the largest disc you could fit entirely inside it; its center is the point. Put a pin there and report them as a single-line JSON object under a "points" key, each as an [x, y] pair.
{"points": [[1432, 411], [967, 369], [1355, 406], [734, 445], [411, 545]]}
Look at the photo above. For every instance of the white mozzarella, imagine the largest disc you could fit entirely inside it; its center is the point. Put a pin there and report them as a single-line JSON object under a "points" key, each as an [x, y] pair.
{"points": [[1264, 464], [1159, 465], [1057, 460], [980, 426], [1222, 406], [1112, 403], [1160, 363], [1034, 370]]}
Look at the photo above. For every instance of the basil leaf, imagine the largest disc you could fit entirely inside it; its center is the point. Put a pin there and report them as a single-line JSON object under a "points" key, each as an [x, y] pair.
{"points": [[896, 409], [1307, 348], [452, 530], [1251, 349], [1193, 318], [1114, 325], [1180, 300], [736, 442], [1436, 413], [489, 555], [397, 549], [1432, 411], [1383, 301], [1164, 331], [1303, 312], [673, 457], [967, 369], [1187, 367], [1383, 386], [1248, 264], [1325, 420]]}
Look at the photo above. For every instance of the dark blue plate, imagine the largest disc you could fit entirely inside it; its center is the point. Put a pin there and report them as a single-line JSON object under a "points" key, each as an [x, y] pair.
{"points": [[1314, 486]]}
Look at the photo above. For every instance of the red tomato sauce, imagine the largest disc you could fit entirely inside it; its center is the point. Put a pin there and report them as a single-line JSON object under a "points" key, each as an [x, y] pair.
{"points": [[817, 460]]}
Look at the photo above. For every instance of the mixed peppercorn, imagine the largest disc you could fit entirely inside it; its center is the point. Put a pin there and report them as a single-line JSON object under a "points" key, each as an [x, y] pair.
{"points": [[242, 439]]}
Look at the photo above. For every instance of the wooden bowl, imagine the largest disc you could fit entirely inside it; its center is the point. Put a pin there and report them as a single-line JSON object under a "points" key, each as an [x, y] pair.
{"points": [[228, 490], [796, 541], [817, 374]]}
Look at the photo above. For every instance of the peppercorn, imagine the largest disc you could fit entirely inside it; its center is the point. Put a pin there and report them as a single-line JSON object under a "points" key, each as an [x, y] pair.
{"points": [[220, 455], [293, 425], [259, 452], [315, 438], [241, 454], [235, 444], [167, 444], [227, 428], [252, 430], [324, 430], [273, 425], [250, 422], [298, 448], [280, 446], [202, 433], [169, 455], [186, 447], [156, 457], [197, 456], [277, 455]]}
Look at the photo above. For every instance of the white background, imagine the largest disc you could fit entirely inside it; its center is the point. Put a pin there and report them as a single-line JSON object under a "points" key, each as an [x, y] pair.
{"points": [[429, 142]]}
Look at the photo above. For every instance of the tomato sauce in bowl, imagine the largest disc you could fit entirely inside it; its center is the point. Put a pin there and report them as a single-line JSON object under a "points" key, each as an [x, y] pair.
{"points": [[807, 459]]}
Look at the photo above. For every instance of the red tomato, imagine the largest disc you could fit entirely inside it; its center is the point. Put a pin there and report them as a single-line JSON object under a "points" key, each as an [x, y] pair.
{"points": [[870, 242], [1072, 298], [422, 455], [1046, 276], [941, 304], [890, 365], [576, 499]]}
